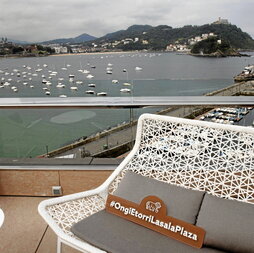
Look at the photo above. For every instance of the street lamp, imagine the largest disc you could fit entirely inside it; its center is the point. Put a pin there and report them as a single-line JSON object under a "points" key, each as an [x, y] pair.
{"points": [[131, 109]]}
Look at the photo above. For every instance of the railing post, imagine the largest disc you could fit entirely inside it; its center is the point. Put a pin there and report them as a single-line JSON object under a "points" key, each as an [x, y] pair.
{"points": [[59, 245]]}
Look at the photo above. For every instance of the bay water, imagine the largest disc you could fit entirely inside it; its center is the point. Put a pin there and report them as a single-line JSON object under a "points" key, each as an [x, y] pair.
{"points": [[31, 132]]}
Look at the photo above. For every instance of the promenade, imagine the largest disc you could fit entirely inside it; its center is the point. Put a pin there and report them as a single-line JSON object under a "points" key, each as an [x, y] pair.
{"points": [[125, 134]]}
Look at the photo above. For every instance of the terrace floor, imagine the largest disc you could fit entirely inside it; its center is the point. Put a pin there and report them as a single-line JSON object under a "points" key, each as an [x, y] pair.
{"points": [[23, 230], [23, 187]]}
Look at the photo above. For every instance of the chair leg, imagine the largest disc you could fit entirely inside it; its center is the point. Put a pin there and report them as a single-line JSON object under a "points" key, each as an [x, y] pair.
{"points": [[59, 245]]}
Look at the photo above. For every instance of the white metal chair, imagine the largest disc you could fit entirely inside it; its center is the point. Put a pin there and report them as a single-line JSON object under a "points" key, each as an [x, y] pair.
{"points": [[215, 158]]}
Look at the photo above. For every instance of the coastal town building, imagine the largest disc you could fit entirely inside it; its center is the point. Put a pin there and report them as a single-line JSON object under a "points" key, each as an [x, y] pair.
{"points": [[177, 47], [145, 42], [185, 47], [6, 46], [60, 50], [204, 36]]}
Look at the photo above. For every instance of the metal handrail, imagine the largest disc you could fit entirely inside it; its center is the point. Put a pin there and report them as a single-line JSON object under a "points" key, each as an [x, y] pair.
{"points": [[123, 102]]}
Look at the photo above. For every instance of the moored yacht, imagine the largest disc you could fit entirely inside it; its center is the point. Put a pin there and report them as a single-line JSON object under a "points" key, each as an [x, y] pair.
{"points": [[101, 94]]}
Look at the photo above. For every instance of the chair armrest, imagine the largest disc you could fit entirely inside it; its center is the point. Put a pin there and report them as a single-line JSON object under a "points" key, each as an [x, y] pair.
{"points": [[62, 212]]}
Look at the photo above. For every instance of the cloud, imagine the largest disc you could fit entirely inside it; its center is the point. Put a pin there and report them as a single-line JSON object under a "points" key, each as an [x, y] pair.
{"points": [[35, 20]]}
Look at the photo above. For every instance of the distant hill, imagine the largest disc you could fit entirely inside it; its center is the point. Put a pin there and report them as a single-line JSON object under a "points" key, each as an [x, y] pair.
{"points": [[20, 42], [132, 31], [79, 39], [160, 36]]}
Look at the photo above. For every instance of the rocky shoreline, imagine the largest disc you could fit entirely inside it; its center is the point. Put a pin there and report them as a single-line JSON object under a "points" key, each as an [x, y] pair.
{"points": [[219, 54]]}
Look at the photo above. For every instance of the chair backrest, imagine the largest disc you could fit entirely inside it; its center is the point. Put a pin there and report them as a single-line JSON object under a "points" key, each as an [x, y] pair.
{"points": [[215, 158]]}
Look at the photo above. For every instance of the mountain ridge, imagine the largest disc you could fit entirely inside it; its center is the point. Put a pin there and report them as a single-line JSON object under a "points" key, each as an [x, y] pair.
{"points": [[158, 37], [84, 37], [161, 36]]}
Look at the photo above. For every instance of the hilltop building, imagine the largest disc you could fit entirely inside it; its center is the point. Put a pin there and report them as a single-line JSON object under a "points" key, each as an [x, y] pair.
{"points": [[221, 21]]}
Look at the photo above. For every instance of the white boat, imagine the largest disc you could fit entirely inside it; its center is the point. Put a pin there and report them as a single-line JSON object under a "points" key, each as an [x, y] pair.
{"points": [[60, 85], [89, 76], [109, 72], [138, 68], [62, 96], [125, 90], [90, 92], [74, 88], [71, 76], [47, 93], [85, 71], [115, 81], [101, 94], [91, 85], [31, 86], [127, 84]]}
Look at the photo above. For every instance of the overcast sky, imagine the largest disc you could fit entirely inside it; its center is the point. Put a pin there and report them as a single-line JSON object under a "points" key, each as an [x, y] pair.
{"points": [[40, 20]]}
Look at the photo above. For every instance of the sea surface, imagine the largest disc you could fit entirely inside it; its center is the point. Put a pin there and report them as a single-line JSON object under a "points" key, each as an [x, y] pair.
{"points": [[31, 132]]}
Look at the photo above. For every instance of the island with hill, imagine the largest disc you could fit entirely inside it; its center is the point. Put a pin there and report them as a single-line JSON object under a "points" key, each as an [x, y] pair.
{"points": [[214, 47]]}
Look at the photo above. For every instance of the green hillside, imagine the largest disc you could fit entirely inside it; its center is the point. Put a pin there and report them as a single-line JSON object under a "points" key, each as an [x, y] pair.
{"points": [[159, 37]]}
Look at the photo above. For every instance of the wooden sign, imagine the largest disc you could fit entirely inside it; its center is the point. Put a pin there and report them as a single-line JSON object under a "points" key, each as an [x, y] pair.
{"points": [[152, 214]]}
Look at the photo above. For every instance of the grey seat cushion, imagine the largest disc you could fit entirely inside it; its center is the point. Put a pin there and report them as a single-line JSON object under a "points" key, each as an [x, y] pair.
{"points": [[117, 235], [181, 203], [229, 224]]}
